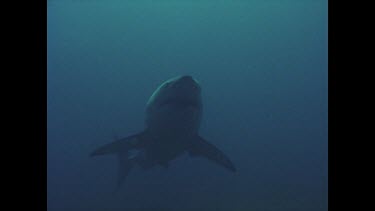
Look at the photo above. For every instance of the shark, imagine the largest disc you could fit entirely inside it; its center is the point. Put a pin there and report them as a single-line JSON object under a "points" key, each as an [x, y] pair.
{"points": [[172, 121]]}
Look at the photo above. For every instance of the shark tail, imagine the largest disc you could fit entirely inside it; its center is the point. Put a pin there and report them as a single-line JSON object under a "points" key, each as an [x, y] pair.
{"points": [[120, 148]]}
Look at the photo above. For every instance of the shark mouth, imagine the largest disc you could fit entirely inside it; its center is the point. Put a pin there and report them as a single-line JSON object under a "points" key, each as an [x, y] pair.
{"points": [[180, 103]]}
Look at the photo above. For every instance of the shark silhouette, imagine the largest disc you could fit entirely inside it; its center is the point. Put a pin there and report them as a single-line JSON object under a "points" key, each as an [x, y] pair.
{"points": [[173, 117]]}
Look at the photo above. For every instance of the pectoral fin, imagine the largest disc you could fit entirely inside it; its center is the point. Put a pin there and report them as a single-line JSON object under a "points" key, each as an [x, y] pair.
{"points": [[120, 145], [123, 149], [200, 147]]}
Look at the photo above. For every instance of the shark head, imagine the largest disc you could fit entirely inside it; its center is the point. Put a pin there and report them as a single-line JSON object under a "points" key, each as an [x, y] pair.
{"points": [[177, 101], [182, 91]]}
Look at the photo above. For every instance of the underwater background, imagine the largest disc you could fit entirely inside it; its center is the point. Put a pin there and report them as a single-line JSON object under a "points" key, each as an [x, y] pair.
{"points": [[262, 66]]}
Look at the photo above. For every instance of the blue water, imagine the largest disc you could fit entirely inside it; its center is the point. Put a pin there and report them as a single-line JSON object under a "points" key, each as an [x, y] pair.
{"points": [[262, 65]]}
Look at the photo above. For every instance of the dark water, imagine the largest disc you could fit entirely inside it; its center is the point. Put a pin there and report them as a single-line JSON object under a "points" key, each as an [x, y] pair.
{"points": [[262, 65]]}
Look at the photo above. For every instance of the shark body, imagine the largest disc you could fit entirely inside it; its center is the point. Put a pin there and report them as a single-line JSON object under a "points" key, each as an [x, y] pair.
{"points": [[173, 117]]}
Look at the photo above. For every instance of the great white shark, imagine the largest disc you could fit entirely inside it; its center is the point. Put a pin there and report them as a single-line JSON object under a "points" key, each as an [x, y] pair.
{"points": [[173, 118]]}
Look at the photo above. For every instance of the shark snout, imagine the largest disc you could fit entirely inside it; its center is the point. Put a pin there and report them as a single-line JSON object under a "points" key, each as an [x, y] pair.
{"points": [[186, 78], [186, 82]]}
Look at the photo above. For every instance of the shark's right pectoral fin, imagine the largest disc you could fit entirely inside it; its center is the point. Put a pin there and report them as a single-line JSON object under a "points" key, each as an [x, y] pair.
{"points": [[200, 147], [121, 148], [120, 145]]}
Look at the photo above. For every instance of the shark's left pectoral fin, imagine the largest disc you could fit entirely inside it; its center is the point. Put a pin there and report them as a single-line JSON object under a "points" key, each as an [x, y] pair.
{"points": [[200, 147]]}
